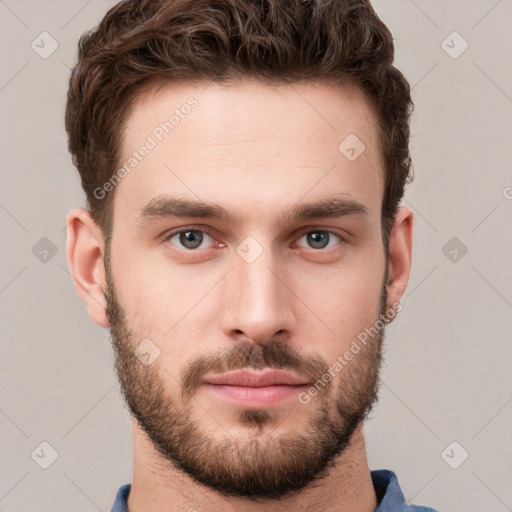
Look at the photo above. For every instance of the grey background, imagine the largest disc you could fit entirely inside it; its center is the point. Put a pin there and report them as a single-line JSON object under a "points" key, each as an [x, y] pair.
{"points": [[448, 361]]}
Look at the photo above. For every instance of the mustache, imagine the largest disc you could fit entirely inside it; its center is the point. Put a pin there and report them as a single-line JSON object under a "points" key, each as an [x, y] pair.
{"points": [[274, 354]]}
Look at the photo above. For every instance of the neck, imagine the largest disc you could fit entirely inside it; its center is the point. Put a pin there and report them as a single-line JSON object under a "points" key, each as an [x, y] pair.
{"points": [[160, 487]]}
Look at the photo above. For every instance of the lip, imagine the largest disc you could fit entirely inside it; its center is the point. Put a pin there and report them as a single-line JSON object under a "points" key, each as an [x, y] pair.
{"points": [[256, 379], [255, 389]]}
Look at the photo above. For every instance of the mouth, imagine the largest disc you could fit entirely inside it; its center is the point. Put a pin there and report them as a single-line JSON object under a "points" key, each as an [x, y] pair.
{"points": [[255, 389]]}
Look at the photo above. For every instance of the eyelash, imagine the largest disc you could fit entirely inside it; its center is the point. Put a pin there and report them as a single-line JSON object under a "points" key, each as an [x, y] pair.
{"points": [[171, 234]]}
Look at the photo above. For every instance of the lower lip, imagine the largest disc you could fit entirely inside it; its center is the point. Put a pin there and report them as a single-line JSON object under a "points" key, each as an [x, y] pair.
{"points": [[255, 398]]}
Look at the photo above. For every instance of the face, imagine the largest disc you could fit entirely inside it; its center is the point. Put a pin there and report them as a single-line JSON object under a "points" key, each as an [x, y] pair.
{"points": [[246, 258]]}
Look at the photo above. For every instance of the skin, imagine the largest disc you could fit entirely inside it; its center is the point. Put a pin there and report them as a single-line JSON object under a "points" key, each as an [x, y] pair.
{"points": [[258, 151]]}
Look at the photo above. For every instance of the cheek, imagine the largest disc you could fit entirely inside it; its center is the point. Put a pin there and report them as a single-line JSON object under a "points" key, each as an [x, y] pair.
{"points": [[149, 289], [166, 302], [346, 300]]}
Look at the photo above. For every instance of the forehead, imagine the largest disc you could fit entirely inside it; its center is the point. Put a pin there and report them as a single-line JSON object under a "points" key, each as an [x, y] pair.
{"points": [[250, 143]]}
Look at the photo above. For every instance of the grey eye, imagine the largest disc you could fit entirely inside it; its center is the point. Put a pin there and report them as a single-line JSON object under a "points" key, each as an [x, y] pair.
{"points": [[189, 238], [319, 239]]}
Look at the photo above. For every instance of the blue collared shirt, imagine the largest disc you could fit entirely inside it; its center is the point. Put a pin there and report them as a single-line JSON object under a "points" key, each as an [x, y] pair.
{"points": [[390, 497]]}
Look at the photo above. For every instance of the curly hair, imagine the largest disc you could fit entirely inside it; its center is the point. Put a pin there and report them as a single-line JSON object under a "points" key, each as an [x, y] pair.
{"points": [[141, 43]]}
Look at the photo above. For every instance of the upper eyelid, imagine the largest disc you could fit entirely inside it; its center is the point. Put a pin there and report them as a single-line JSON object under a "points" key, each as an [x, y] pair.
{"points": [[176, 231], [172, 233], [305, 230]]}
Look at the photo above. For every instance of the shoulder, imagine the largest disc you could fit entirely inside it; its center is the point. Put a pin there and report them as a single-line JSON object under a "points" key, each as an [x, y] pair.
{"points": [[121, 497], [418, 508], [389, 494]]}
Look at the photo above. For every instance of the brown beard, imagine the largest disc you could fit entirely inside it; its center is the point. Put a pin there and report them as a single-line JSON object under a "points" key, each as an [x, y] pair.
{"points": [[260, 466]]}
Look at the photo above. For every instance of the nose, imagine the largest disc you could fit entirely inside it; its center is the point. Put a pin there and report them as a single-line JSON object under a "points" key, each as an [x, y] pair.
{"points": [[258, 303]]}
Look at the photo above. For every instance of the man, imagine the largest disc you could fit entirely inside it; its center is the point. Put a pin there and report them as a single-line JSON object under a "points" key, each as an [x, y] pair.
{"points": [[243, 163]]}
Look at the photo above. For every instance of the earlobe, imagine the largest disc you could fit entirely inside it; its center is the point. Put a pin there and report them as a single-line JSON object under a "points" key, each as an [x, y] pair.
{"points": [[85, 251], [400, 254]]}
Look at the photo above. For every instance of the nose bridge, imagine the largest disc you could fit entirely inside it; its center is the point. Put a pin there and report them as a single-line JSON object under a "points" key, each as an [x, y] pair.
{"points": [[258, 303]]}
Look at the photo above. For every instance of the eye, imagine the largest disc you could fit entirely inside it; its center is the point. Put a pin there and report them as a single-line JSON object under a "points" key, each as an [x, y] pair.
{"points": [[320, 239], [189, 239]]}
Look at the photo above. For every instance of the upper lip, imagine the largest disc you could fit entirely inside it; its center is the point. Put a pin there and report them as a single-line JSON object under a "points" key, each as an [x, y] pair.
{"points": [[256, 379]]}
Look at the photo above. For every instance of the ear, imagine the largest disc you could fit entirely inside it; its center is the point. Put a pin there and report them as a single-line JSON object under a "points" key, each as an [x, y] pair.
{"points": [[400, 254], [84, 251]]}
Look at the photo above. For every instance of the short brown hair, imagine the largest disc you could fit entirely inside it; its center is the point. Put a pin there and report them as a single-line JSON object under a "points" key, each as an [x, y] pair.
{"points": [[140, 42]]}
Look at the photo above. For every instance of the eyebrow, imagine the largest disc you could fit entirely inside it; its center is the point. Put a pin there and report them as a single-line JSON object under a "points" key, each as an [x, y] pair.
{"points": [[165, 206]]}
